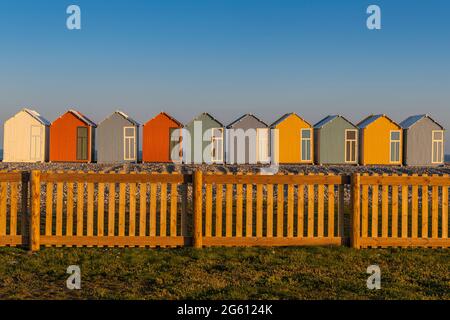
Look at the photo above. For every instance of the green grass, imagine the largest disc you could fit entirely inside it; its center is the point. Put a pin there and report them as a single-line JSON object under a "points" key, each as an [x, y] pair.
{"points": [[225, 273]]}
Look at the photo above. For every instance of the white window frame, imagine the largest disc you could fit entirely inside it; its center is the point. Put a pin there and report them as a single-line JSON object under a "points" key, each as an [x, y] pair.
{"points": [[310, 144], [213, 139], [432, 146], [258, 144], [399, 146], [356, 145], [125, 142]]}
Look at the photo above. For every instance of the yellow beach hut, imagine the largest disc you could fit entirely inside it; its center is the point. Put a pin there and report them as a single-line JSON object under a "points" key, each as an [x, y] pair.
{"points": [[380, 141], [293, 140]]}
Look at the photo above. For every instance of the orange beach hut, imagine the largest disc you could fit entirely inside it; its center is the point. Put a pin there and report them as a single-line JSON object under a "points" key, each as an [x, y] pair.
{"points": [[72, 138], [380, 141], [157, 145]]}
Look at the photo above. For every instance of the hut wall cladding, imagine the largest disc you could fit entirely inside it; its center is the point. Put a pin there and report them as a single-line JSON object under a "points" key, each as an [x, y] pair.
{"points": [[156, 138], [289, 145], [418, 143], [375, 142], [330, 142], [63, 139], [245, 123], [110, 140]]}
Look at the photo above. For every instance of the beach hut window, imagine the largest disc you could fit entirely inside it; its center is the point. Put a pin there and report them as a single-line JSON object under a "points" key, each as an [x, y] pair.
{"points": [[350, 145], [217, 145], [82, 143], [306, 144], [395, 146], [129, 143], [438, 146]]}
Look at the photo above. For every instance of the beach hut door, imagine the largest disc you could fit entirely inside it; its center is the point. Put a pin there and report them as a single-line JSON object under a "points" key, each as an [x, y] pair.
{"points": [[82, 143], [35, 145], [129, 143]]}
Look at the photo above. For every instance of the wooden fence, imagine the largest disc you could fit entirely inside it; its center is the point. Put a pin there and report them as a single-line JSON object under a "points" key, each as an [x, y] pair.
{"points": [[205, 209], [400, 214], [290, 210], [13, 208]]}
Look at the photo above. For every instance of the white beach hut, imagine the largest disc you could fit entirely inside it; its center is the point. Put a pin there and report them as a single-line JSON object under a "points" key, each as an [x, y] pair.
{"points": [[26, 137]]}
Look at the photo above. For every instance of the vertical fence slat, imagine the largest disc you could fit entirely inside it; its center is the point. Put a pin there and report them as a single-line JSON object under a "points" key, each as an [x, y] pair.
{"points": [[415, 210], [424, 211], [219, 198], [49, 209], [132, 216], [13, 212], [163, 210], [445, 211], [90, 208], [434, 211], [35, 222], [300, 210], [59, 208], [153, 190], [384, 210], [69, 209], [173, 209], [198, 210], [374, 233], [341, 209], [122, 199], [311, 200], [229, 210], [143, 209], [365, 209], [259, 210], [320, 209], [404, 211], [331, 210], [356, 215], [112, 209], [3, 202], [80, 208], [208, 204], [394, 211], [249, 211], [269, 210], [280, 210], [101, 210], [239, 203]]}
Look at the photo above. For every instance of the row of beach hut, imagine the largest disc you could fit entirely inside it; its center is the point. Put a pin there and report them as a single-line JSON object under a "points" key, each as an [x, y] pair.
{"points": [[376, 140]]}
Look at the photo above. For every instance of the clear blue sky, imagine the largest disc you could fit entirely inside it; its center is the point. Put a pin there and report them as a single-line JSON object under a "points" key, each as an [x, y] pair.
{"points": [[226, 57]]}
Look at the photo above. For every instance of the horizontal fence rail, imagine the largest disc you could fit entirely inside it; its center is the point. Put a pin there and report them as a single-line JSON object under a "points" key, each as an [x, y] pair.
{"points": [[400, 211], [212, 209]]}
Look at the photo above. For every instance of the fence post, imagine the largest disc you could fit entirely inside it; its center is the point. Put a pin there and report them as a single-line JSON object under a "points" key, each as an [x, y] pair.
{"points": [[198, 199], [356, 211], [35, 210]]}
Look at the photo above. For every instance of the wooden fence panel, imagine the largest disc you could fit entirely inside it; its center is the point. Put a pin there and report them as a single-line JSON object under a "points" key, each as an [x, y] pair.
{"points": [[429, 229]]}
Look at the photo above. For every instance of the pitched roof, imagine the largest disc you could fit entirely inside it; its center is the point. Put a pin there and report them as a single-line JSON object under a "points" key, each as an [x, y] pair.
{"points": [[410, 121], [207, 115], [83, 118], [328, 119], [123, 115], [162, 113], [285, 116], [37, 116], [247, 115], [372, 118]]}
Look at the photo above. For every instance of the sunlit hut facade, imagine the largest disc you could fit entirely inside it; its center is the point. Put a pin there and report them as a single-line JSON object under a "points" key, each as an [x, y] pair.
{"points": [[380, 141], [162, 139], [423, 141], [26, 137], [293, 140], [247, 141], [205, 140], [335, 141], [118, 139], [72, 138]]}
